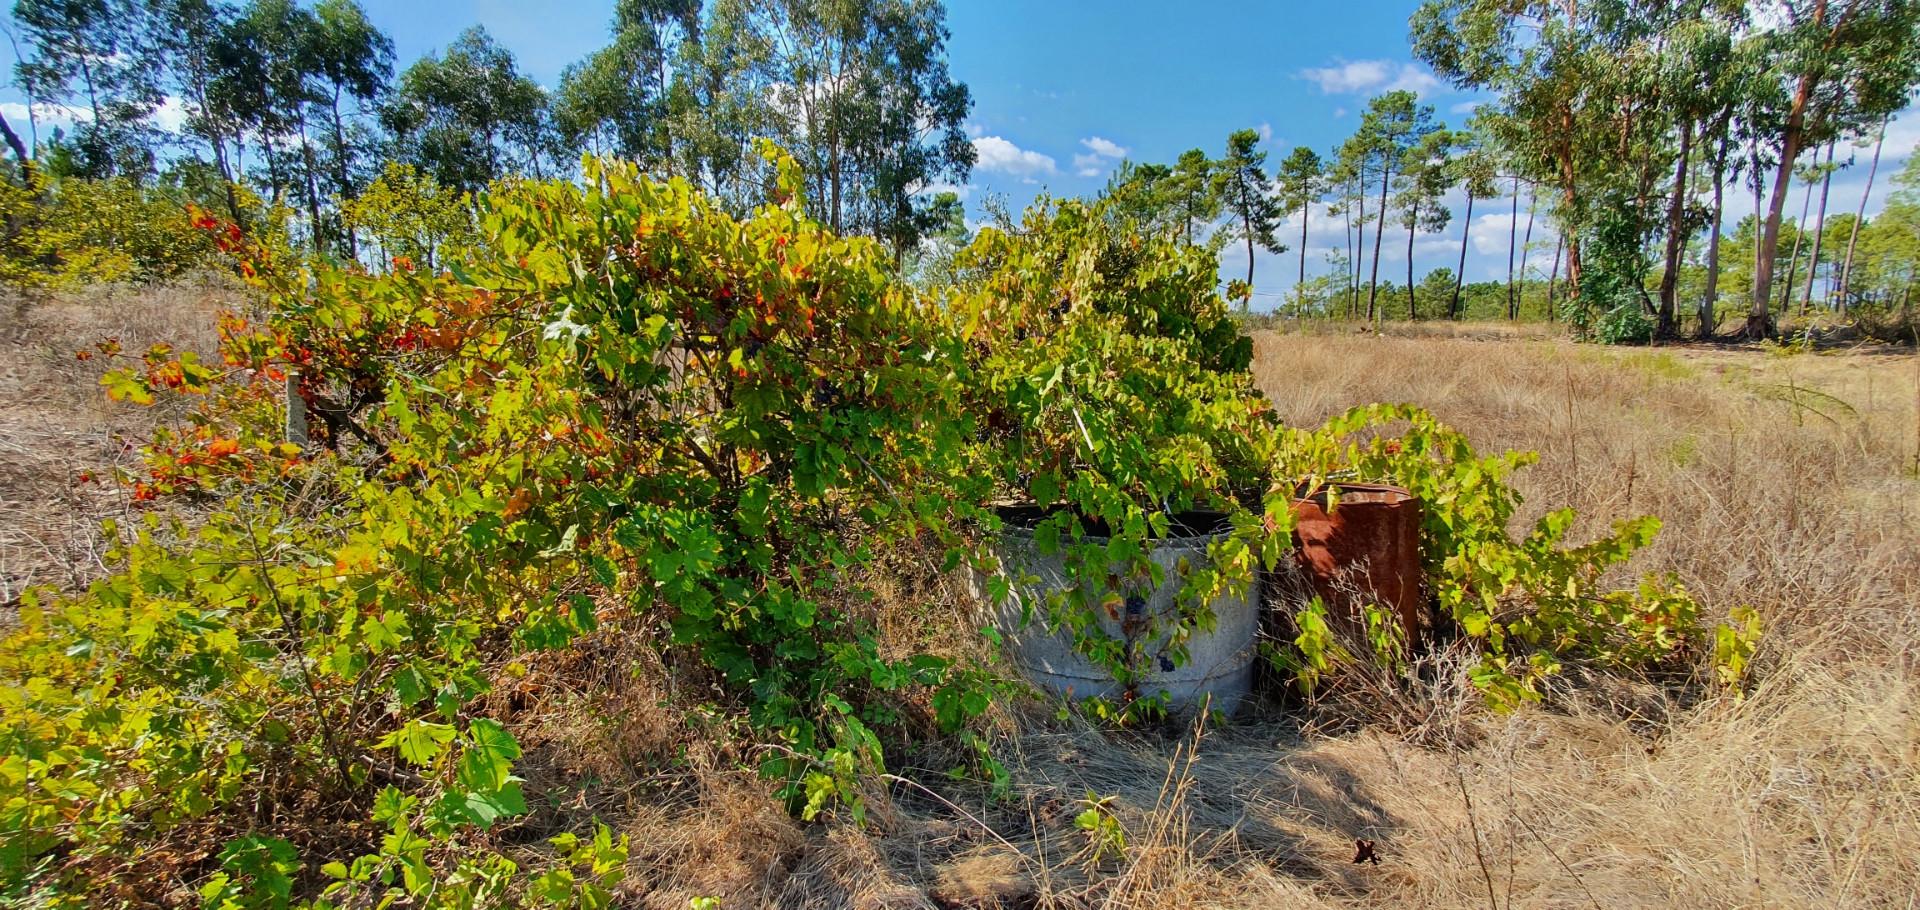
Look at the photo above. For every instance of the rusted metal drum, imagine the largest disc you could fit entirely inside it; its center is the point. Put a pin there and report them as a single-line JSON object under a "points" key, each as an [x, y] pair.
{"points": [[1358, 544]]}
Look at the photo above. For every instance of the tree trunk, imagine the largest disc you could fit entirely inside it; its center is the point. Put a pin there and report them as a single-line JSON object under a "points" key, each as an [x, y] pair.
{"points": [[1859, 216], [1300, 286], [343, 173], [1553, 276], [1668, 326], [1569, 195], [1759, 205], [1346, 269], [20, 151], [1413, 218], [1513, 248], [1360, 238], [1760, 320], [1793, 256], [1373, 278], [1460, 276], [273, 168], [1573, 266], [1186, 216], [1526, 240], [1819, 232], [227, 182], [1246, 227], [313, 186], [1711, 299]]}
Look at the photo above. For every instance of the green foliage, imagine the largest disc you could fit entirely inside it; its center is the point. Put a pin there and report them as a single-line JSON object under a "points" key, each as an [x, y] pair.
{"points": [[1105, 835], [468, 117], [620, 411], [93, 231], [1529, 603], [1734, 644], [407, 216], [1612, 305], [1114, 387], [541, 472]]}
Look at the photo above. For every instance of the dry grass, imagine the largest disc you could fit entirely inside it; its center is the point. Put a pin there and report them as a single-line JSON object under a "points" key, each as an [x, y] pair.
{"points": [[1786, 482], [1804, 794], [57, 425]]}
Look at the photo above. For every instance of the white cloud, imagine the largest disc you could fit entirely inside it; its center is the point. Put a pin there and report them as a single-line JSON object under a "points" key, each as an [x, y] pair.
{"points": [[1101, 154], [45, 113], [963, 190], [171, 115], [1266, 132], [1465, 107], [1359, 77], [997, 154], [1105, 148]]}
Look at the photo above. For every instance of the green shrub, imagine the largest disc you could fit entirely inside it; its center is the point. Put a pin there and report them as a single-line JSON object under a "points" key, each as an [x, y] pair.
{"points": [[81, 231]]}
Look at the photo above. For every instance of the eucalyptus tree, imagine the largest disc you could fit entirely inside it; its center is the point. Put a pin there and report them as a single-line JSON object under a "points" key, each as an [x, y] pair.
{"points": [[191, 32], [1393, 126], [467, 117], [102, 55], [1247, 195], [1740, 90], [265, 78], [352, 61], [716, 105], [618, 99], [1840, 67], [859, 91], [1574, 99], [1699, 76], [1302, 179]]}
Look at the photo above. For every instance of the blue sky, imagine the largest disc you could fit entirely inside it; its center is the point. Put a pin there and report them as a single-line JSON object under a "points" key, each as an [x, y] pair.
{"points": [[1063, 90]]}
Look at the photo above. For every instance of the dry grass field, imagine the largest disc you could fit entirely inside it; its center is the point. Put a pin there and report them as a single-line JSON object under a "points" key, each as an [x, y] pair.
{"points": [[57, 425], [1786, 482]]}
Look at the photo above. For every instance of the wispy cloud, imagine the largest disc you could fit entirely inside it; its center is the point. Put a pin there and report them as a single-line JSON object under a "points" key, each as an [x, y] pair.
{"points": [[997, 155], [1105, 148], [1364, 77], [170, 115], [1099, 158]]}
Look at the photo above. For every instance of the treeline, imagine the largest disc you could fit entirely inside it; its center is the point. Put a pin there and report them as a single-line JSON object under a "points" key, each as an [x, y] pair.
{"points": [[242, 108], [1625, 127]]}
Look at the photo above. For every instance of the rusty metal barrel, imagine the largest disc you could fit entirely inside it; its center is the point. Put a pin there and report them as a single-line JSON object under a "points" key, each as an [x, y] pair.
{"points": [[1358, 544]]}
